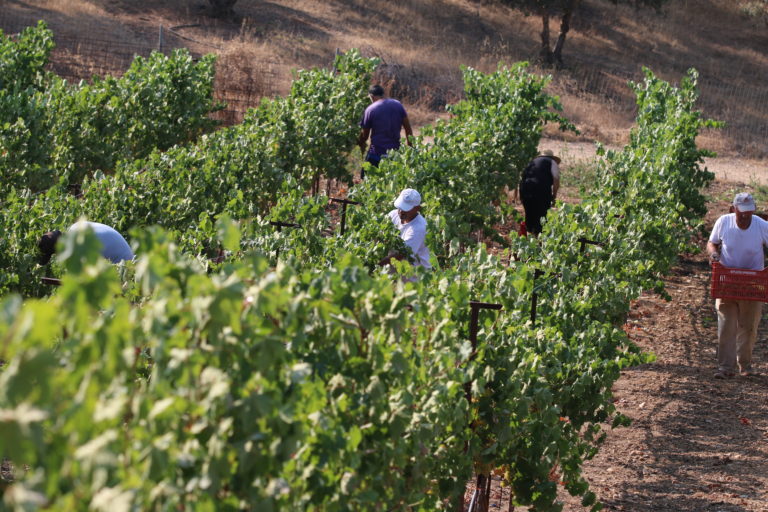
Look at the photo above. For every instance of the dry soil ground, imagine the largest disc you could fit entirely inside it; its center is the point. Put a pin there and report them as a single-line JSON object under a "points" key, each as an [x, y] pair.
{"points": [[731, 171]]}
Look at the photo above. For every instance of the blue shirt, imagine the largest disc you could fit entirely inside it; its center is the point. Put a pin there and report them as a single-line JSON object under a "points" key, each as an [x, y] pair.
{"points": [[115, 249]]}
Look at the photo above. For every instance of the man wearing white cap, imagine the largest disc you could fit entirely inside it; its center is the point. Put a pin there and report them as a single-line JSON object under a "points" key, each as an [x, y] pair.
{"points": [[412, 226], [737, 241]]}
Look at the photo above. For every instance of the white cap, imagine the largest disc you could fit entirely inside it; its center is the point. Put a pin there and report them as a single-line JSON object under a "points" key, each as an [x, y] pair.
{"points": [[744, 202], [408, 200]]}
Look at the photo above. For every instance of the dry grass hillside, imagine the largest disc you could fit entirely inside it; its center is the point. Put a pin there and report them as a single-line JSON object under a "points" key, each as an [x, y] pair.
{"points": [[423, 42]]}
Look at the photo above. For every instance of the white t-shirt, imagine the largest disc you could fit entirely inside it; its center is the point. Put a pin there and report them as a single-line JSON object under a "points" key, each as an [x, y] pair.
{"points": [[740, 248], [116, 249], [414, 235]]}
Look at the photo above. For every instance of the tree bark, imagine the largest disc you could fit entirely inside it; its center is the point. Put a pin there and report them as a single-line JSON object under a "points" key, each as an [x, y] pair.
{"points": [[546, 53], [565, 26]]}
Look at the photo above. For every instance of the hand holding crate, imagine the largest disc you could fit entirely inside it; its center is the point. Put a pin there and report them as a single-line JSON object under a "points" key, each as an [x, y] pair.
{"points": [[739, 283]]}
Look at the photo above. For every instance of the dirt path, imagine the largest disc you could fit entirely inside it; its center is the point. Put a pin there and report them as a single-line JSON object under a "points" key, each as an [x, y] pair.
{"points": [[695, 443], [738, 171]]}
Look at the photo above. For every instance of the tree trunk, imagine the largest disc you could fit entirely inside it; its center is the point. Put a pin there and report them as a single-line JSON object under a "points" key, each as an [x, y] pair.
{"points": [[545, 55], [565, 26], [222, 8]]}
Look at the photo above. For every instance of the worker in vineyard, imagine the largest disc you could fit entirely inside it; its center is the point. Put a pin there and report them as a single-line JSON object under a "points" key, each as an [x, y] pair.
{"points": [[538, 188], [382, 122], [737, 241], [406, 217], [114, 246]]}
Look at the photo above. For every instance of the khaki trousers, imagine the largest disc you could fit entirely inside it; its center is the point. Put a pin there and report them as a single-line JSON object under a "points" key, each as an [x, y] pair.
{"points": [[737, 322]]}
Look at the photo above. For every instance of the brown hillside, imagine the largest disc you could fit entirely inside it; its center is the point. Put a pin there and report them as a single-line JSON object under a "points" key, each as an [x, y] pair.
{"points": [[422, 44]]}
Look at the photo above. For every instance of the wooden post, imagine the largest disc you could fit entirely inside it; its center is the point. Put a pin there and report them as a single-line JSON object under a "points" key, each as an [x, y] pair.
{"points": [[280, 225], [344, 203], [584, 241], [474, 320], [535, 296]]}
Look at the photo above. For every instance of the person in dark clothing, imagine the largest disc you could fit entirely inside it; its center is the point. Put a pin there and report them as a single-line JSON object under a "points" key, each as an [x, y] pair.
{"points": [[538, 188]]}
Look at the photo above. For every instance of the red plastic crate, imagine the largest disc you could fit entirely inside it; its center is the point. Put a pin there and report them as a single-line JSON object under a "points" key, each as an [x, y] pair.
{"points": [[739, 283]]}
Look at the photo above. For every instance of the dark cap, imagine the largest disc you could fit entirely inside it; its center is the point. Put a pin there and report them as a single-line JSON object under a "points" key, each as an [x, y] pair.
{"points": [[376, 90], [47, 245]]}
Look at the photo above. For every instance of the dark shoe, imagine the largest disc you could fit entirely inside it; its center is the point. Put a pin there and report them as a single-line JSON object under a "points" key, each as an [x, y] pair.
{"points": [[722, 374], [748, 372]]}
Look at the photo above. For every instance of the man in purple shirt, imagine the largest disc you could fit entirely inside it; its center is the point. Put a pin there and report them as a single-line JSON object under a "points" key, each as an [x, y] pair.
{"points": [[382, 122]]}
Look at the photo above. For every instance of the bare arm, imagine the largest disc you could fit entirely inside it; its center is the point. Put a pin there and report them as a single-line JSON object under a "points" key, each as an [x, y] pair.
{"points": [[362, 139], [555, 170], [714, 251], [393, 255], [408, 131]]}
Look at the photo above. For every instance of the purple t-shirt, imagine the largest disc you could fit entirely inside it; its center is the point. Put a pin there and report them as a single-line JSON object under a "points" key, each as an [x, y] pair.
{"points": [[384, 118]]}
